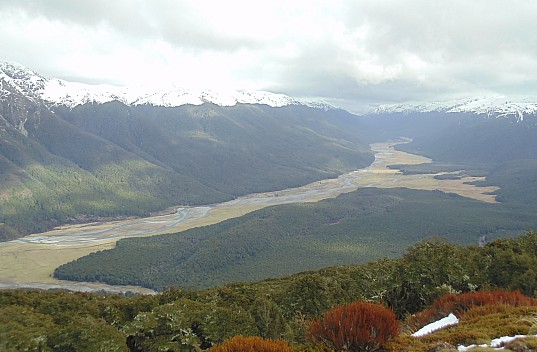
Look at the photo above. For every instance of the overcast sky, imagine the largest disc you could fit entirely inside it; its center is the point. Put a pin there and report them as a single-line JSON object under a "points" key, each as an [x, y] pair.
{"points": [[352, 53]]}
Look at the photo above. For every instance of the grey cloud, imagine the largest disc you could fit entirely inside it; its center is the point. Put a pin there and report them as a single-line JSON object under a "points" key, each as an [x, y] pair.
{"points": [[123, 14], [176, 22], [357, 53]]}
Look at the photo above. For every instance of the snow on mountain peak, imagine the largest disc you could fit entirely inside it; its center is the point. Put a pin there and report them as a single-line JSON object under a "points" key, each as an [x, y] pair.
{"points": [[18, 72], [22, 79], [59, 92], [496, 106], [71, 94]]}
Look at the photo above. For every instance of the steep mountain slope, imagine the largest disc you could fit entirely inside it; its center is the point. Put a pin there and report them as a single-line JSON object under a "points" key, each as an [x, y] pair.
{"points": [[52, 170], [102, 157], [211, 143]]}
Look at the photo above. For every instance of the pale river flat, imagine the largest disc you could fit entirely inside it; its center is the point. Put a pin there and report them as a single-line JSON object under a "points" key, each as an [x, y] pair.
{"points": [[31, 260]]}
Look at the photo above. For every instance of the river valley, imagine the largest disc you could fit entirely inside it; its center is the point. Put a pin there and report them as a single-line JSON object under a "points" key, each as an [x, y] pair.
{"points": [[31, 260]]}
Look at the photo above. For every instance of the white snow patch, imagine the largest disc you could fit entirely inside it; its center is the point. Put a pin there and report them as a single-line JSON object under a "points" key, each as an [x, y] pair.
{"points": [[450, 320], [59, 92], [496, 343]]}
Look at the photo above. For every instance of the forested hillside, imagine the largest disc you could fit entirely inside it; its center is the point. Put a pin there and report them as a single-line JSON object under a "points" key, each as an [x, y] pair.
{"points": [[353, 228], [183, 320], [109, 160], [234, 150]]}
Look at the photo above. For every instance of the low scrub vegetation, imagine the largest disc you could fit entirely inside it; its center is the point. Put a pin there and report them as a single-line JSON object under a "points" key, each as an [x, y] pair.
{"points": [[304, 309]]}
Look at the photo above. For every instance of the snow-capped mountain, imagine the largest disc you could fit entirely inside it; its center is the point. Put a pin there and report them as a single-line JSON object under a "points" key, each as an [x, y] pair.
{"points": [[496, 106], [60, 92], [21, 80], [81, 162]]}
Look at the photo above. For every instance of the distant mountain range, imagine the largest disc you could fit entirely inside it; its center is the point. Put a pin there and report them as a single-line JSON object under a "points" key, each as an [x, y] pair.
{"points": [[60, 92], [487, 130], [72, 152], [495, 106]]}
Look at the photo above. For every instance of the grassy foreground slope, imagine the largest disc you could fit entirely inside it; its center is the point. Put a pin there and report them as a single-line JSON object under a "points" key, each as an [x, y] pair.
{"points": [[353, 228], [182, 320]]}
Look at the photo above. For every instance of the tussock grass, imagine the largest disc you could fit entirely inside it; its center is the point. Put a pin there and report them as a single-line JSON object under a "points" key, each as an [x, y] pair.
{"points": [[479, 329]]}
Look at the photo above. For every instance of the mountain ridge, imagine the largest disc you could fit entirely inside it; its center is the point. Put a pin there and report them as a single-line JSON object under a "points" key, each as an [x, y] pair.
{"points": [[56, 91], [491, 106]]}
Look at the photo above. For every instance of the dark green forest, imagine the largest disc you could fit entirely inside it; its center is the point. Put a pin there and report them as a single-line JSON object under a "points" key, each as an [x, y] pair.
{"points": [[186, 320], [353, 228]]}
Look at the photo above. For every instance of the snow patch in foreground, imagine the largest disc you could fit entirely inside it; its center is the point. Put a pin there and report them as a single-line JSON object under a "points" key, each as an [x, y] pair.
{"points": [[450, 320], [496, 343]]}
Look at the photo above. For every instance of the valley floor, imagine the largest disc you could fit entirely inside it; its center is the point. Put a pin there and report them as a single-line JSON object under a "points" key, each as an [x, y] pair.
{"points": [[30, 261]]}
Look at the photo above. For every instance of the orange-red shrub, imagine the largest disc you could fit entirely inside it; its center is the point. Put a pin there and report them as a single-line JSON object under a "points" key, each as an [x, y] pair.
{"points": [[463, 302], [359, 326], [251, 344]]}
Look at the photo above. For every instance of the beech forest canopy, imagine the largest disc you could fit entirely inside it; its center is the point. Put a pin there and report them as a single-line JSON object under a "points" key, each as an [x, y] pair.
{"points": [[353, 228]]}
